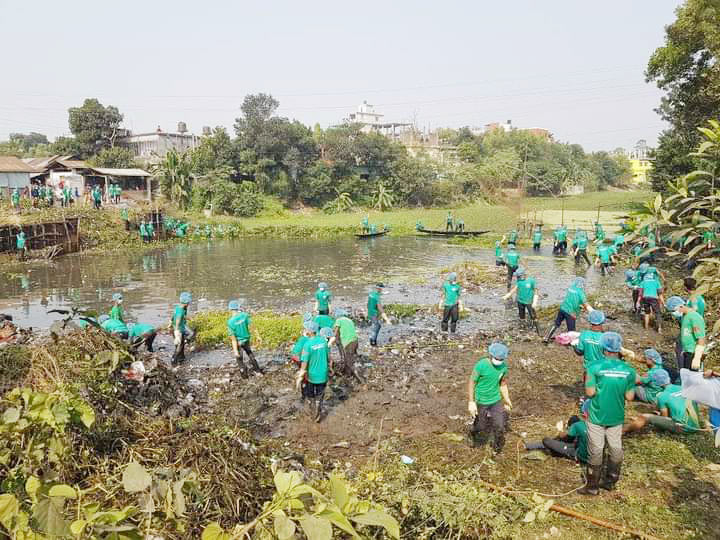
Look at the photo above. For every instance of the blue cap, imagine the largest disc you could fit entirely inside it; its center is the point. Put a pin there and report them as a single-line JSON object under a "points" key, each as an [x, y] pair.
{"points": [[660, 377], [322, 285], [498, 351], [233, 305], [103, 318], [307, 316], [311, 326], [674, 302], [339, 312], [643, 268], [185, 298], [611, 342], [629, 274], [520, 272], [326, 332], [117, 297], [596, 317], [653, 355], [452, 276], [579, 282]]}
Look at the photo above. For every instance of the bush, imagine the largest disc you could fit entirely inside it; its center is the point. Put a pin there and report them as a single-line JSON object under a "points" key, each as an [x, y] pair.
{"points": [[274, 330]]}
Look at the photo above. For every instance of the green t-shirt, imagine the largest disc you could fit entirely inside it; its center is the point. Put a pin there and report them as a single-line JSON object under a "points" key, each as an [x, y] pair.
{"points": [[124, 213], [579, 431], [15, 197], [537, 237], [650, 288], [697, 302], [574, 299], [512, 258], [589, 345], [611, 379], [525, 290], [239, 326], [298, 347], [113, 326], [692, 328], [513, 237], [651, 388], [581, 242], [604, 252], [348, 333], [179, 317], [451, 292], [672, 399], [315, 354], [498, 251], [487, 379], [137, 330], [323, 299], [619, 240], [97, 194], [561, 235], [20, 241], [708, 236], [372, 305], [324, 321], [117, 313]]}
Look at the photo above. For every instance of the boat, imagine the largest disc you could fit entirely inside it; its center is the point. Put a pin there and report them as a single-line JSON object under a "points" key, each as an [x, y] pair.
{"points": [[438, 232], [371, 235]]}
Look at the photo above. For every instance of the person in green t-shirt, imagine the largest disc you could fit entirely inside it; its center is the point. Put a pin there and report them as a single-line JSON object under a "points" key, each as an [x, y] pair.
{"points": [[695, 300], [580, 245], [238, 326], [459, 225], [126, 218], [632, 282], [450, 303], [298, 345], [619, 240], [449, 222], [651, 298], [21, 244], [487, 390], [560, 240], [512, 261], [537, 238], [646, 389], [588, 343], [419, 226], [599, 232], [347, 342], [604, 258], [527, 296], [366, 224], [15, 199], [316, 363], [376, 313], [97, 197], [323, 297], [609, 384], [513, 238], [142, 229], [499, 256], [708, 239], [113, 327], [676, 413], [575, 300], [324, 321], [572, 444], [692, 333], [116, 312], [178, 323], [139, 333]]}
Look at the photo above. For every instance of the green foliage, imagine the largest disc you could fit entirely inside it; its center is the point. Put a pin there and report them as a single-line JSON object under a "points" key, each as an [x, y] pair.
{"points": [[94, 126], [402, 310], [216, 190], [342, 203], [175, 174], [383, 198], [115, 157], [317, 513], [271, 331]]}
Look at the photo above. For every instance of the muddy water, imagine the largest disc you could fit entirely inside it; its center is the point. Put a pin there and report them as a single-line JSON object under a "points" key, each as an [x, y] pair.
{"points": [[270, 273]]}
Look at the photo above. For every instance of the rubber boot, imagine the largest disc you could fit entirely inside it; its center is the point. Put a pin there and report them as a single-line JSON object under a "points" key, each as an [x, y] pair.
{"points": [[254, 364], [534, 445], [593, 479], [318, 409], [612, 475], [549, 335], [241, 366]]}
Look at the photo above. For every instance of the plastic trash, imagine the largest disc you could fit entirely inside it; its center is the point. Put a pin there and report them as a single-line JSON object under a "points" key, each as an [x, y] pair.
{"points": [[698, 388], [407, 460], [566, 338], [136, 372]]}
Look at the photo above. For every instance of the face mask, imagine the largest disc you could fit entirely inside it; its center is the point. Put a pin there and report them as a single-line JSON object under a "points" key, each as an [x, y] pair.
{"points": [[496, 362], [677, 315]]}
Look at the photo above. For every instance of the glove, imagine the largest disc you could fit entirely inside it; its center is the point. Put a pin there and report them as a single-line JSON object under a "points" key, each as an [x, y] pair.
{"points": [[177, 335], [472, 408], [298, 380], [508, 407]]}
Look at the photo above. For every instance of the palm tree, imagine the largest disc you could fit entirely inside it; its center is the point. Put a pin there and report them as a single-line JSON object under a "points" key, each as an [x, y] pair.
{"points": [[383, 198], [175, 175]]}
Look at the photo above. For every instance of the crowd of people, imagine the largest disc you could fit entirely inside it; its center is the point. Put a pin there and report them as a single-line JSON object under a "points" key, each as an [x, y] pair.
{"points": [[45, 196]]}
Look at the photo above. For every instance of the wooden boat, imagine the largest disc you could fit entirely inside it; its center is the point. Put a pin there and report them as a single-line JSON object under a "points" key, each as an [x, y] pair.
{"points": [[371, 235], [437, 232]]}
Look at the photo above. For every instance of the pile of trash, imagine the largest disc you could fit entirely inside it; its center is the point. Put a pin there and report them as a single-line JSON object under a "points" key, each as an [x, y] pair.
{"points": [[10, 334]]}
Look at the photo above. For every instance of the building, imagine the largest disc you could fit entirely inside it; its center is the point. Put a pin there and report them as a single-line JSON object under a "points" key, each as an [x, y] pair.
{"points": [[14, 173], [508, 127], [371, 122], [640, 162], [152, 147]]}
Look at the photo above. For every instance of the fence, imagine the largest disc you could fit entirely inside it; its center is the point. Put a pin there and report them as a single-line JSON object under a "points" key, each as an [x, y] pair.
{"points": [[65, 234]]}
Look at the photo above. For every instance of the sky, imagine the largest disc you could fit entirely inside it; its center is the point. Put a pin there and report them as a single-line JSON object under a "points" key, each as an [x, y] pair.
{"points": [[573, 67]]}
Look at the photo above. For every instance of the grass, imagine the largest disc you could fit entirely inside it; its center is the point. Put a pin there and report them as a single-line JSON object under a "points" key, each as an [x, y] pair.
{"points": [[274, 330]]}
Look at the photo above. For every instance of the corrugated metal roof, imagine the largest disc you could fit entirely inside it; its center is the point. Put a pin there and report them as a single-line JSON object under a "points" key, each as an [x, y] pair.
{"points": [[73, 163], [121, 172], [13, 164]]}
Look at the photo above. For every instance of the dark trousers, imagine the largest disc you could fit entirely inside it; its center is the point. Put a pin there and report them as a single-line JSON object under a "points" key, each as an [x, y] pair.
{"points": [[245, 347], [348, 353], [323, 312], [491, 421], [97, 204], [685, 360], [127, 225], [635, 298], [530, 310], [451, 315], [375, 324], [448, 227], [510, 272], [582, 253], [536, 247], [560, 247], [148, 339], [560, 448], [605, 268], [569, 320]]}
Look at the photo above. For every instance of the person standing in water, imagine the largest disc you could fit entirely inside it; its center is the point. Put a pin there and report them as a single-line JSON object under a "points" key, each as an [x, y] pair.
{"points": [[376, 313], [450, 303], [323, 297], [239, 329]]}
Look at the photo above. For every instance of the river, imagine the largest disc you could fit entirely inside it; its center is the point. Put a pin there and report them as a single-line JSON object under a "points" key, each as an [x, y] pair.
{"points": [[269, 273]]}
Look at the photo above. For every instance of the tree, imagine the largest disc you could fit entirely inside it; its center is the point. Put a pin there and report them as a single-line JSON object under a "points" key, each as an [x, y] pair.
{"points": [[29, 140], [215, 151], [94, 126], [115, 157], [175, 175], [686, 68]]}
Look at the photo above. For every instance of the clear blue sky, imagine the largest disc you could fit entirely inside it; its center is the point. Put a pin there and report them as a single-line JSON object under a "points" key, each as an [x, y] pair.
{"points": [[571, 66]]}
